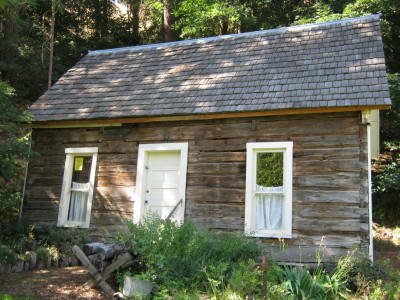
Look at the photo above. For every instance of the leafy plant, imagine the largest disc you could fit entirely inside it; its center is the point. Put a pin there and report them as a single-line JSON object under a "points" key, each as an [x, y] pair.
{"points": [[245, 280], [318, 283], [7, 255], [386, 169], [183, 257], [45, 252], [60, 238]]}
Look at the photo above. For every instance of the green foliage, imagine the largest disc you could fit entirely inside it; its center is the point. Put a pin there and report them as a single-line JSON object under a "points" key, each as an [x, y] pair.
{"points": [[8, 297], [386, 186], [7, 255], [390, 119], [386, 175], [18, 237], [270, 169], [46, 241], [201, 18], [374, 281], [246, 281], [44, 252], [59, 239], [14, 152], [304, 284], [185, 257], [228, 276]]}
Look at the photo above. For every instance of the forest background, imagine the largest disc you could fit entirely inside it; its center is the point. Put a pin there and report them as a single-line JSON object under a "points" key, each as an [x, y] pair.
{"points": [[30, 46]]}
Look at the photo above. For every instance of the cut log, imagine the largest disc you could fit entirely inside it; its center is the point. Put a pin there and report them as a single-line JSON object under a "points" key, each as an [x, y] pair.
{"points": [[104, 250]]}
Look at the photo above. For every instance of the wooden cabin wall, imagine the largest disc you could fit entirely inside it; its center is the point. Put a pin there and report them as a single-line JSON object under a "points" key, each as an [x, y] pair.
{"points": [[330, 187]]}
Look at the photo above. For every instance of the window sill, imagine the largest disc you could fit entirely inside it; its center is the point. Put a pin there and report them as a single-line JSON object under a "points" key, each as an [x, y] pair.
{"points": [[273, 235], [71, 225]]}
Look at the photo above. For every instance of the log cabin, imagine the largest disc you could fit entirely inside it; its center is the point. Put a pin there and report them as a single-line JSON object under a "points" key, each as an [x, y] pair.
{"points": [[269, 133]]}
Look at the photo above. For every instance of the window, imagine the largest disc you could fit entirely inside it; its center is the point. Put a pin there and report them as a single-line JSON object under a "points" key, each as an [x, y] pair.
{"points": [[77, 188], [269, 189]]}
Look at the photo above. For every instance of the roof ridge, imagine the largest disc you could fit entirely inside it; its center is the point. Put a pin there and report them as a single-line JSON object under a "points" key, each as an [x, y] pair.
{"points": [[232, 36]]}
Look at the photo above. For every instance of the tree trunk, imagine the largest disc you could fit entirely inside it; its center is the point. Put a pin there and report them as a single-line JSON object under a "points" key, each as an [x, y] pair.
{"points": [[51, 48], [223, 26], [134, 9], [169, 32], [10, 50]]}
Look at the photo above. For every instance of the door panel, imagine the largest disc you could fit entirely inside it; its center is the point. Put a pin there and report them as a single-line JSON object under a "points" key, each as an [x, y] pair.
{"points": [[163, 196], [164, 160], [162, 182], [163, 179]]}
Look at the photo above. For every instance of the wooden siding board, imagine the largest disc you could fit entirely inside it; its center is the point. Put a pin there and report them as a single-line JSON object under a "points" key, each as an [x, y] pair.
{"points": [[329, 165]]}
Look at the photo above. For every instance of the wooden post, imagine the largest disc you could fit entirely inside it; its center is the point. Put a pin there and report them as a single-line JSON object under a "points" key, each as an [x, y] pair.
{"points": [[264, 268], [92, 270], [124, 260]]}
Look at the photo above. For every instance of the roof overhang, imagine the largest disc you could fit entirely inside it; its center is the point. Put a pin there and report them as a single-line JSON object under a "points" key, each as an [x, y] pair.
{"points": [[248, 114]]}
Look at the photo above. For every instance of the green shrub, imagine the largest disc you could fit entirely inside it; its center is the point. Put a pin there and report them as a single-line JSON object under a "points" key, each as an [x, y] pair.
{"points": [[7, 255], [376, 281], [185, 257], [19, 236], [46, 241], [14, 153], [304, 284], [60, 238], [187, 262], [245, 280], [300, 283], [42, 253]]}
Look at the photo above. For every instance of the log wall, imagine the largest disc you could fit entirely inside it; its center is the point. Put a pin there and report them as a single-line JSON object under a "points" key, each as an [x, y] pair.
{"points": [[330, 188]]}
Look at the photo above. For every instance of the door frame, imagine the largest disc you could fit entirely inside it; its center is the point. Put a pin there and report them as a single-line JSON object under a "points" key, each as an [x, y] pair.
{"points": [[143, 152]]}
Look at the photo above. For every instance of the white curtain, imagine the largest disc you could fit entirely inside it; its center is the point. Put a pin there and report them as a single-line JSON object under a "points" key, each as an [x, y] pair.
{"points": [[269, 208], [78, 202]]}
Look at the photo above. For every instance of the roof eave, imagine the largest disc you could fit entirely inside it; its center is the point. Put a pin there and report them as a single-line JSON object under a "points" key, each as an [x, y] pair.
{"points": [[191, 117]]}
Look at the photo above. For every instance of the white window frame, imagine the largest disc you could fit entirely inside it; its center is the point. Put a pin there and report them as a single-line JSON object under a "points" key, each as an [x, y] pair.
{"points": [[250, 203], [66, 186], [144, 150]]}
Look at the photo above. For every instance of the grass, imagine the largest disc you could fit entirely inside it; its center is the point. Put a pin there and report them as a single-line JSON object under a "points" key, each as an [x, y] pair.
{"points": [[8, 297]]}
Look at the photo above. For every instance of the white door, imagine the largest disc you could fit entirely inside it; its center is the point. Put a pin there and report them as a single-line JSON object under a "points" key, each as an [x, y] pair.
{"points": [[161, 181]]}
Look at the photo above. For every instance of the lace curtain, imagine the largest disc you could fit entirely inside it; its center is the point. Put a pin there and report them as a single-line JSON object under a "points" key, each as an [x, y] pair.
{"points": [[78, 202], [269, 202]]}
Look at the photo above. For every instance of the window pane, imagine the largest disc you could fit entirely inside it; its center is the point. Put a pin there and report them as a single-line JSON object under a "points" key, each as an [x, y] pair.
{"points": [[78, 203], [80, 180], [269, 170], [81, 169], [269, 211]]}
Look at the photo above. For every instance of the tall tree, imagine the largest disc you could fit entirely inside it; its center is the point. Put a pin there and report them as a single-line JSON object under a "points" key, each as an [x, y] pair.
{"points": [[168, 21], [51, 47]]}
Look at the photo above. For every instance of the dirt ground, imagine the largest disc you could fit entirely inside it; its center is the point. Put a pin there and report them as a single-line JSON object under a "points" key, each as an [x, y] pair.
{"points": [[387, 244], [51, 284]]}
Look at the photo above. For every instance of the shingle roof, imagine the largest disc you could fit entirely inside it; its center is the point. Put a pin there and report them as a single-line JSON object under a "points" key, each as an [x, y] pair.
{"points": [[334, 64]]}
